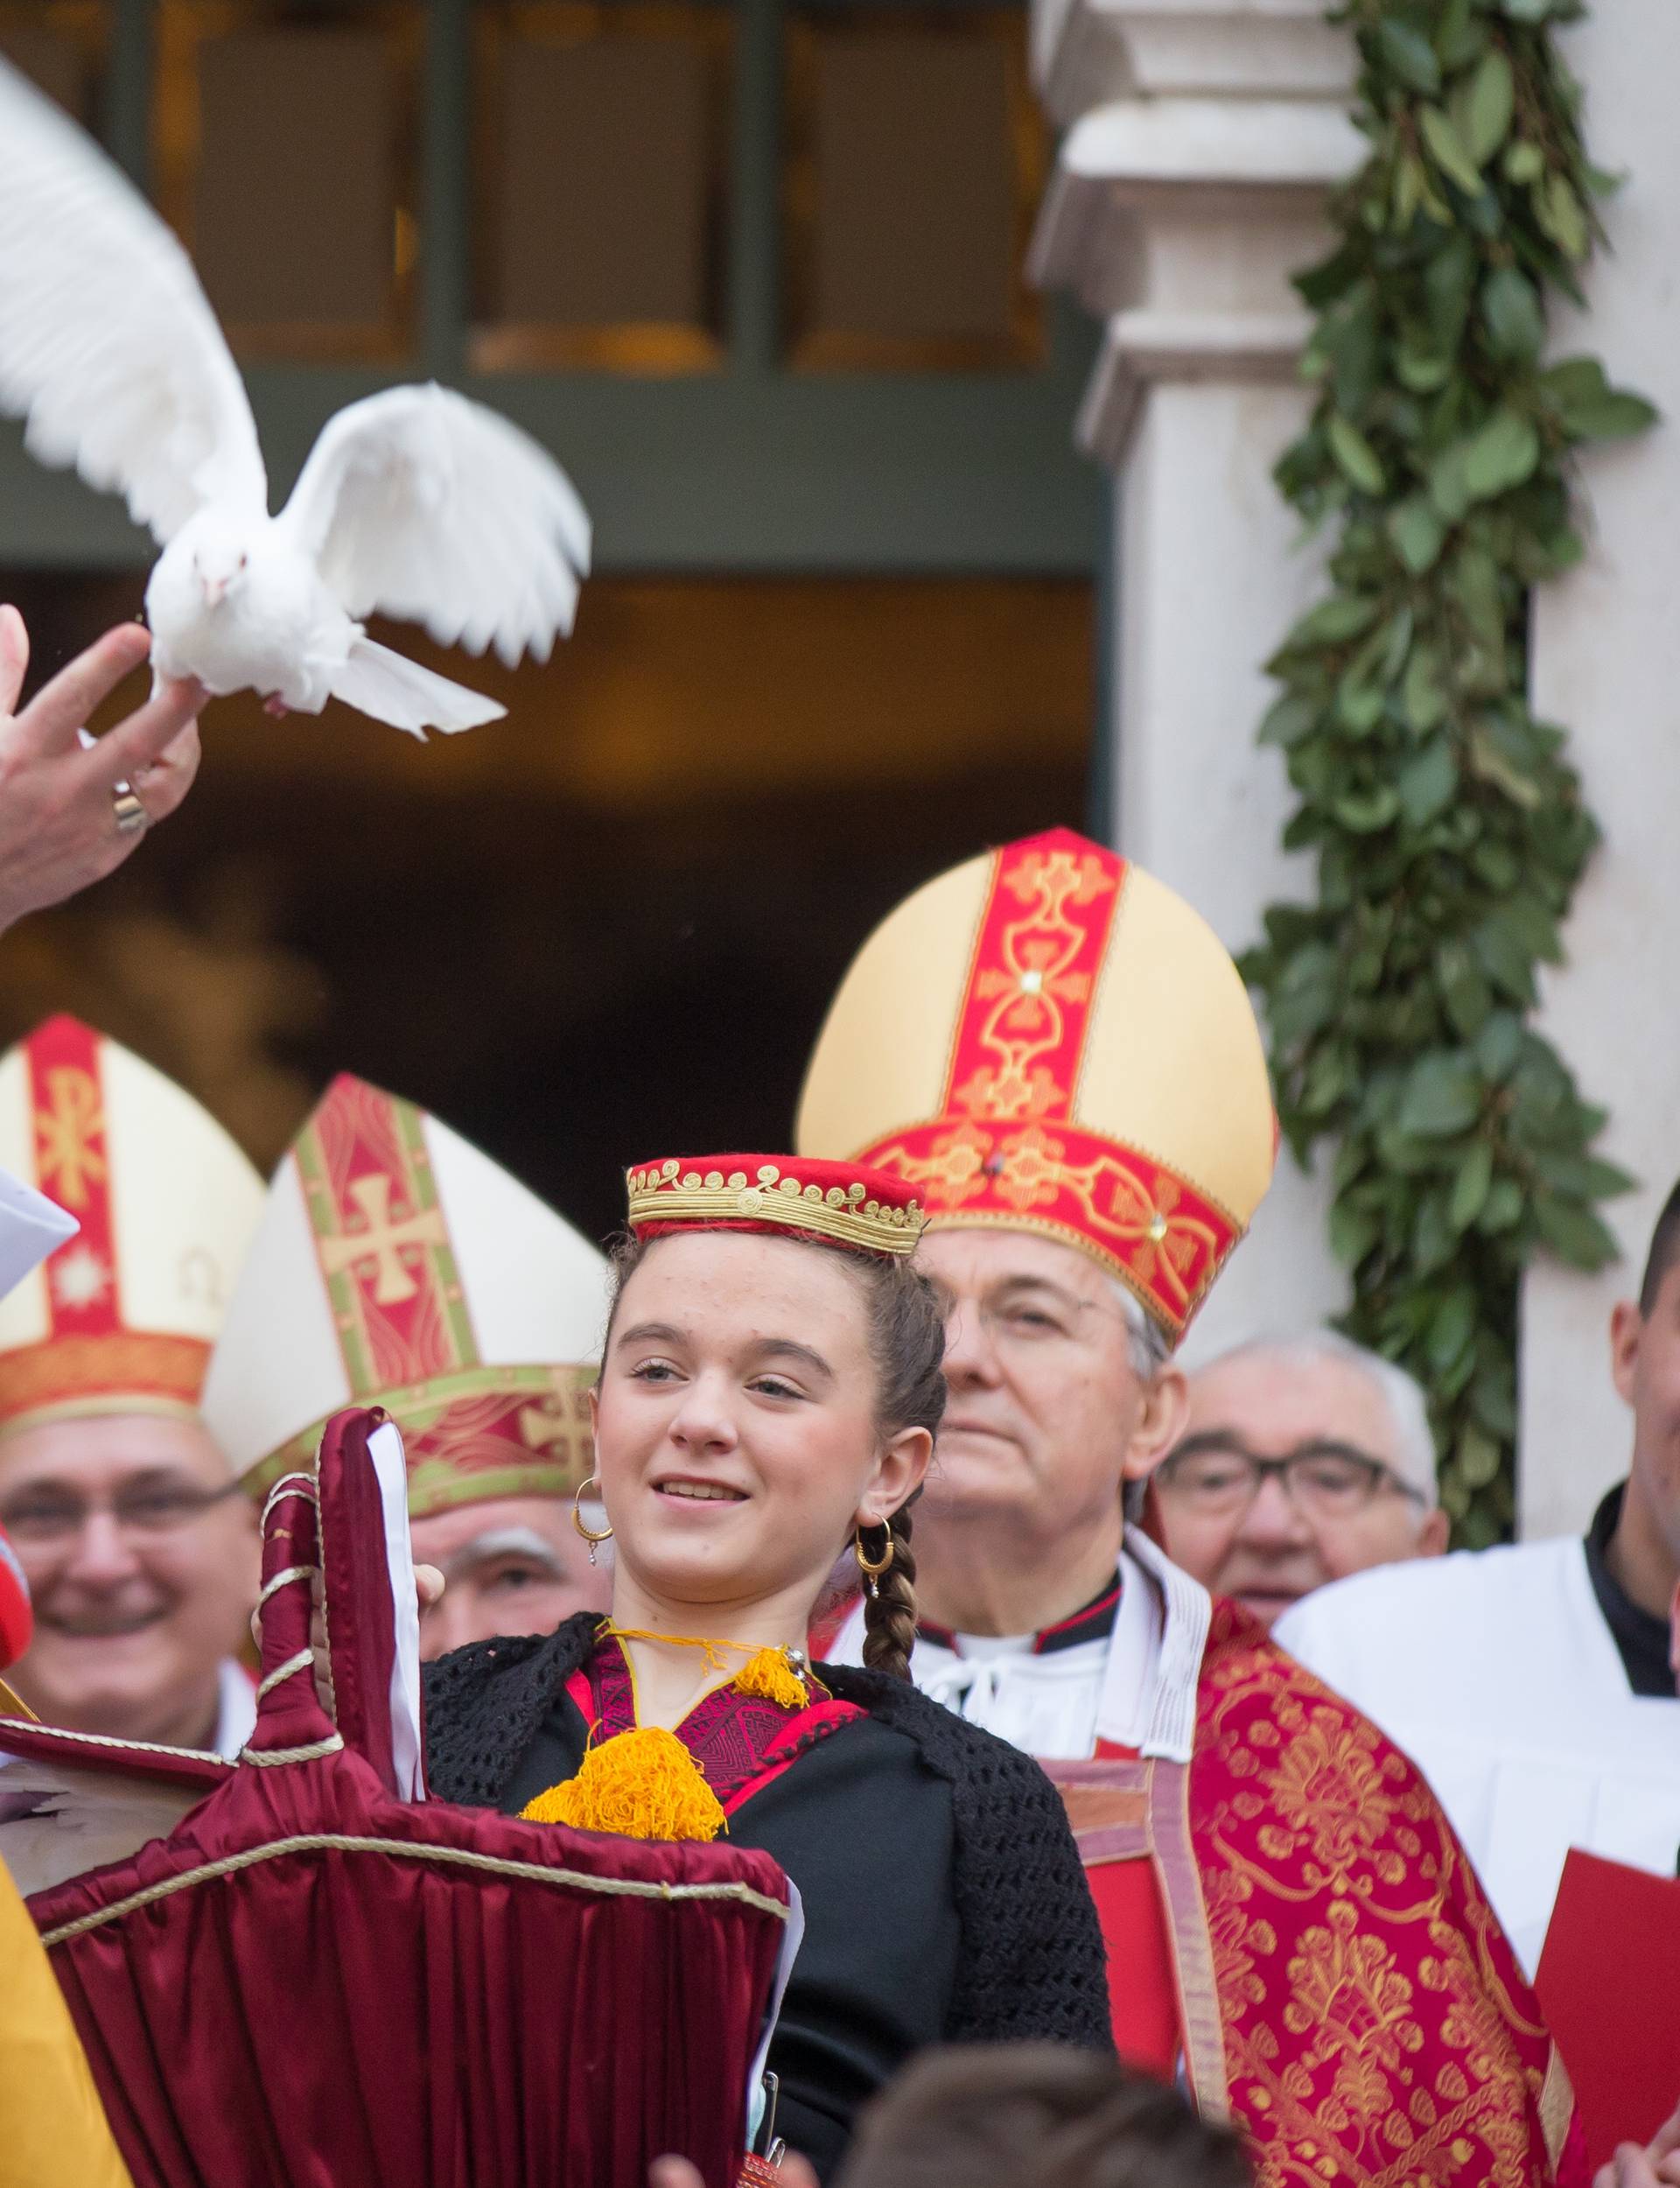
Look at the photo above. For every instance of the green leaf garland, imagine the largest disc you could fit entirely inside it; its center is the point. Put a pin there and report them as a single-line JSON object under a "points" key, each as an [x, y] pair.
{"points": [[1447, 823]]}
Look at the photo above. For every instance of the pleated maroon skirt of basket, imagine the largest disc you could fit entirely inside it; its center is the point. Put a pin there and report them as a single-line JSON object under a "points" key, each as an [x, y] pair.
{"points": [[311, 1983]]}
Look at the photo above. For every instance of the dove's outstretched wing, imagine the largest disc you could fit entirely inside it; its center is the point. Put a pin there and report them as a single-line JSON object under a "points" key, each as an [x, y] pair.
{"points": [[423, 505], [107, 346]]}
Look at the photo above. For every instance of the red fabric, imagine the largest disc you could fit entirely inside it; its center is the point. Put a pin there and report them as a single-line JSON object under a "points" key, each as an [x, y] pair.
{"points": [[381, 1235], [740, 1742], [17, 1615], [763, 1194], [804, 1728], [1143, 1997], [1606, 1984], [351, 1527], [1377, 2025], [404, 2012], [1344, 1987]]}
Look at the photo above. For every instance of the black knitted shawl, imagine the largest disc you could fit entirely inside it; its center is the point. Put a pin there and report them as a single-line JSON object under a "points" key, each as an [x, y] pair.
{"points": [[1032, 1961]]}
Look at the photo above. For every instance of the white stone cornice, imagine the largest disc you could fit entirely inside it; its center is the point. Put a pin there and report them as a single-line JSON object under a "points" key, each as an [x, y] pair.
{"points": [[1180, 221], [1088, 53], [1141, 346], [1217, 159]]}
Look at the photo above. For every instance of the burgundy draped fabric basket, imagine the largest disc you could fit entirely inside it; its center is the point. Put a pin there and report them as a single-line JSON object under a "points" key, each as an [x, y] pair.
{"points": [[312, 1984]]}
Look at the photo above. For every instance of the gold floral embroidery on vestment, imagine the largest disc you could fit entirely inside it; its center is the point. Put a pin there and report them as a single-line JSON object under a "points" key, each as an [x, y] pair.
{"points": [[1373, 2033]]}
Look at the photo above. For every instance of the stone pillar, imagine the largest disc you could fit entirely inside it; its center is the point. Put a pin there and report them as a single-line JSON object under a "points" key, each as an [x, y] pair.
{"points": [[1606, 663], [1201, 136]]}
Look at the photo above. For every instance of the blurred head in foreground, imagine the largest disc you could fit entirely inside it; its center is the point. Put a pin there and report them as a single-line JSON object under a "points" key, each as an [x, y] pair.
{"points": [[1036, 2115]]}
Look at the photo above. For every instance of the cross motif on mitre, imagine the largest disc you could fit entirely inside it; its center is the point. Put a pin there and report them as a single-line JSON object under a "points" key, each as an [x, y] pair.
{"points": [[382, 1242], [67, 1161], [542, 1425]]}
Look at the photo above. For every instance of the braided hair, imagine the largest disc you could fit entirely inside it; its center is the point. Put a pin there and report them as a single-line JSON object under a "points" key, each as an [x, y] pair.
{"points": [[906, 1339], [906, 1343], [890, 1602]]}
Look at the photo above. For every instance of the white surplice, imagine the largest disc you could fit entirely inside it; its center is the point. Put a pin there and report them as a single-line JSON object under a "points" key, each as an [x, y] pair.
{"points": [[1136, 1687], [1495, 1672]]}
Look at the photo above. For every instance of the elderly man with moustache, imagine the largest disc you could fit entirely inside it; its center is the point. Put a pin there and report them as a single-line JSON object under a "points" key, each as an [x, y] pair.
{"points": [[1303, 1460], [140, 1554], [396, 1266], [1060, 1056]]}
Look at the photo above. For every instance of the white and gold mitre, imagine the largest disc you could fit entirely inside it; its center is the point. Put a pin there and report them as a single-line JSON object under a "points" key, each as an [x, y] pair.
{"points": [[395, 1265], [1048, 1038], [122, 1318]]}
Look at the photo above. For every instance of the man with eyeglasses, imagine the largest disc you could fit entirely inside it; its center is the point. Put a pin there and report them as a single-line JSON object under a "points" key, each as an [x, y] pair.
{"points": [[1303, 1460], [1060, 1056], [141, 1555]]}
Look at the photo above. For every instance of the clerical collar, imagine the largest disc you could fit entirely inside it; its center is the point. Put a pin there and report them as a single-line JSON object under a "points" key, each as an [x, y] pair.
{"points": [[1641, 1639], [1093, 1622]]}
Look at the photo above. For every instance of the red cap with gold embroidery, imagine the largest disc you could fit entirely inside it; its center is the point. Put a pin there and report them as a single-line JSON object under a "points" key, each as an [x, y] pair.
{"points": [[122, 1318], [1047, 1038], [842, 1203]]}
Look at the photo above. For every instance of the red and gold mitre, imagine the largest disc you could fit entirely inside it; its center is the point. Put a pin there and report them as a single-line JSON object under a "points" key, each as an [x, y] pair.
{"points": [[396, 1266], [840, 1204], [1048, 1038], [121, 1318]]}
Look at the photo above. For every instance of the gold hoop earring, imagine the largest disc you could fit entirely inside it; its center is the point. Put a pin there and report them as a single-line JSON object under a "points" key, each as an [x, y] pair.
{"points": [[589, 1534], [872, 1568]]}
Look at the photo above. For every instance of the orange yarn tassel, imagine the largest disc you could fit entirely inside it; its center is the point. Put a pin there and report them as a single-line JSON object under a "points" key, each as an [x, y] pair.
{"points": [[643, 1785], [770, 1677]]}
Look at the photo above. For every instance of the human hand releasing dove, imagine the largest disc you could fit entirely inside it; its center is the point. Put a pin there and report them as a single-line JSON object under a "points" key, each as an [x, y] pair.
{"points": [[418, 503]]}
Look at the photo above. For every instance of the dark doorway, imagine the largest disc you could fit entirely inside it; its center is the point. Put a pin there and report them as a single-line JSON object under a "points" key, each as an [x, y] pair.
{"points": [[605, 928]]}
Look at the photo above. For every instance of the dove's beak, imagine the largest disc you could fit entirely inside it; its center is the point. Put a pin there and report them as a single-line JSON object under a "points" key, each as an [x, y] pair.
{"points": [[214, 589]]}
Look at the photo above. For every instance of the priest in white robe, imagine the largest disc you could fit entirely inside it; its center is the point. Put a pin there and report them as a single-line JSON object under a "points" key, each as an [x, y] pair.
{"points": [[1533, 1684]]}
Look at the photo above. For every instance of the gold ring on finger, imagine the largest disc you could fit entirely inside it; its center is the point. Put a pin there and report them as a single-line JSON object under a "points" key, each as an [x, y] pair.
{"points": [[131, 816]]}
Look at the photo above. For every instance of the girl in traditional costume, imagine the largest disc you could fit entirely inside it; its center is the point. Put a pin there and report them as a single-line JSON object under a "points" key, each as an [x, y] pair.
{"points": [[769, 1392]]}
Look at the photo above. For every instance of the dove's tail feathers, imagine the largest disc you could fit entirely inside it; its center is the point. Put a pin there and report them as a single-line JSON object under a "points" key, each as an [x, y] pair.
{"points": [[394, 689]]}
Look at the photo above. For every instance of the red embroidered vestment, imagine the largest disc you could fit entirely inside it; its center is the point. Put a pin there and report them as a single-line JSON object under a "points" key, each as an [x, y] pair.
{"points": [[1344, 1991]]}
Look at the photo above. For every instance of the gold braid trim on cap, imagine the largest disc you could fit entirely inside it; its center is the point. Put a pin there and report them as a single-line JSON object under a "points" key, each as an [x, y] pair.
{"points": [[847, 1215]]}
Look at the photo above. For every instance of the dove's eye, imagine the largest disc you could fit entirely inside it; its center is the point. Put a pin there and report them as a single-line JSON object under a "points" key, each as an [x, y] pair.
{"points": [[242, 562]]}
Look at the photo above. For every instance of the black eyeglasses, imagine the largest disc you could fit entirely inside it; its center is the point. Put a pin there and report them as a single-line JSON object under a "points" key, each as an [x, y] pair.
{"points": [[1215, 1477], [48, 1519]]}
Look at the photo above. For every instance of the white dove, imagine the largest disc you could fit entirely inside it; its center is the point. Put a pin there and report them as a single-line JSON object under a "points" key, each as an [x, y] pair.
{"points": [[416, 502]]}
